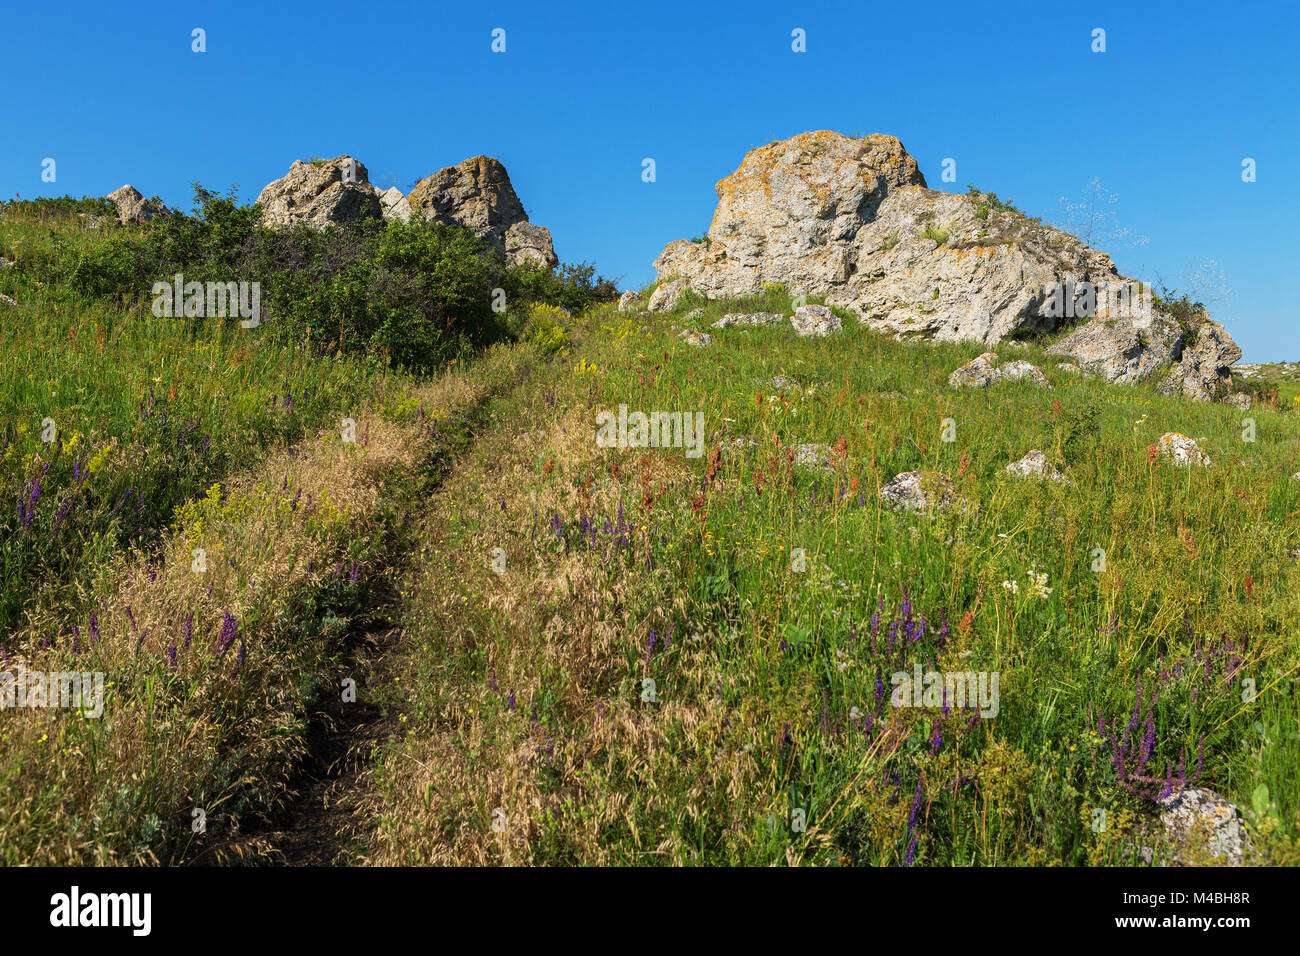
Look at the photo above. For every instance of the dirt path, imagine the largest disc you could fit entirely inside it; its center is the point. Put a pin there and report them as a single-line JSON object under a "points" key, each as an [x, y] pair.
{"points": [[320, 824]]}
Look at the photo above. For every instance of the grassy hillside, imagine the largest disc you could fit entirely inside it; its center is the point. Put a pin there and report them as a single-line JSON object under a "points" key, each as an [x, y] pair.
{"points": [[184, 515], [527, 689], [601, 655]]}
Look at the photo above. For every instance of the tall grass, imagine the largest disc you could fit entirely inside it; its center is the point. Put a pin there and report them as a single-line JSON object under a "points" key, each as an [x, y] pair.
{"points": [[771, 603]]}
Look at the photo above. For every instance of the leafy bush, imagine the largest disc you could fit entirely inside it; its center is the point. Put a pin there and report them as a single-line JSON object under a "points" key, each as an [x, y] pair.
{"points": [[409, 294]]}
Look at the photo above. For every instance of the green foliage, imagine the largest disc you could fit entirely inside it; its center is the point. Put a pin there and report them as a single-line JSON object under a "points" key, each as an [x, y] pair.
{"points": [[935, 234]]}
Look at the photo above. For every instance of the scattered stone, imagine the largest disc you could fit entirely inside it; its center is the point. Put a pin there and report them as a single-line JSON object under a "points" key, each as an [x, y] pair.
{"points": [[1198, 822], [755, 318], [1239, 400], [919, 491], [1035, 465], [132, 207], [626, 300], [1020, 369], [1069, 367], [319, 193], [665, 296], [1184, 450], [6, 300], [694, 315], [696, 338], [815, 320], [6, 263], [977, 373], [477, 194], [783, 383], [812, 455]]}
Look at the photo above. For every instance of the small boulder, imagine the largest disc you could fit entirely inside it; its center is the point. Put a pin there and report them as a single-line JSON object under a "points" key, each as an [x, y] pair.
{"points": [[812, 455], [6, 300], [816, 320], [1198, 823], [696, 338], [1020, 369], [919, 491], [626, 300], [665, 296], [979, 372], [1184, 450], [1239, 400], [754, 318], [1035, 465]]}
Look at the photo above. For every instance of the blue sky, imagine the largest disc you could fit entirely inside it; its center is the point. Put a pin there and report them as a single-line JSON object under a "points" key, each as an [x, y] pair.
{"points": [[585, 91]]}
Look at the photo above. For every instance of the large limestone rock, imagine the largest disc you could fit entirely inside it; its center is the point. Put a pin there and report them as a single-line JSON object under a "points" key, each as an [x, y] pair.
{"points": [[132, 207], [852, 220], [319, 193], [477, 194]]}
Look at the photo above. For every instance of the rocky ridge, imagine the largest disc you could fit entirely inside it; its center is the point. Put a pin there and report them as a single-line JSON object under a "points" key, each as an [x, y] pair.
{"points": [[852, 220]]}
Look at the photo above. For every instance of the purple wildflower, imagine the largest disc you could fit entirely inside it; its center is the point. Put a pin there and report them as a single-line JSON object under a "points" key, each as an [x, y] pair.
{"points": [[229, 631]]}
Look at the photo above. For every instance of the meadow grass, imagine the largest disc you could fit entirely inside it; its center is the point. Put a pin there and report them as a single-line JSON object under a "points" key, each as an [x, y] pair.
{"points": [[144, 413], [768, 735]]}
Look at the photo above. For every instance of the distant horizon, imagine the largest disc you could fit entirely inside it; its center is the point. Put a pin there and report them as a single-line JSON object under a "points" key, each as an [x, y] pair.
{"points": [[1185, 94]]}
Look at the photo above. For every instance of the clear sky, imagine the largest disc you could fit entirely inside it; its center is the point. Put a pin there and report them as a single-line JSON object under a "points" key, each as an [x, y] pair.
{"points": [[584, 91]]}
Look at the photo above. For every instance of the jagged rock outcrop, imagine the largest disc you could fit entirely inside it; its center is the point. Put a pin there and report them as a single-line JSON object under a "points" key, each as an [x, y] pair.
{"points": [[132, 207], [321, 192], [852, 220], [395, 204], [477, 194]]}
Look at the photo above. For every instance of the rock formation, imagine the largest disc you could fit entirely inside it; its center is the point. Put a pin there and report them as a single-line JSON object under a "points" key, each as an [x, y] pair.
{"points": [[852, 220], [321, 192], [132, 207], [477, 194]]}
